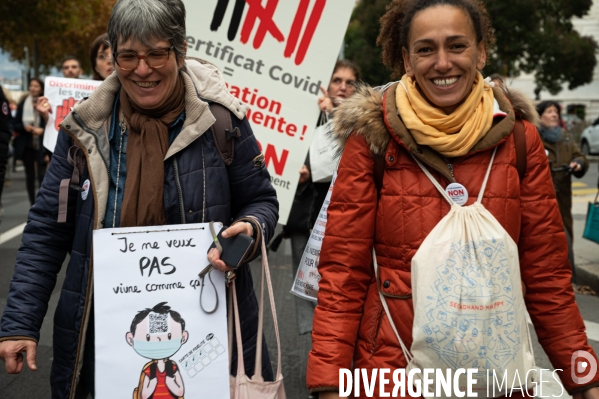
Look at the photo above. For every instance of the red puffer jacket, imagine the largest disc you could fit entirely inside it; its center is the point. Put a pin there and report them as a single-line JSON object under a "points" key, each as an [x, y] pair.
{"points": [[350, 327]]}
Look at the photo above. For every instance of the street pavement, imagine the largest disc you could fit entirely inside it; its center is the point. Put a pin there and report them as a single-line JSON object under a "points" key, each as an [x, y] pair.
{"points": [[294, 347]]}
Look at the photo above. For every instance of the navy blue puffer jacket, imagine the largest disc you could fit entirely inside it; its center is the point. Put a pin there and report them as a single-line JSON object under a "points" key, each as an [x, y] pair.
{"points": [[240, 191]]}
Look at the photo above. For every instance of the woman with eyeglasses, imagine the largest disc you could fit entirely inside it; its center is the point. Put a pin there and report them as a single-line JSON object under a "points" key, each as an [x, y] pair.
{"points": [[148, 152]]}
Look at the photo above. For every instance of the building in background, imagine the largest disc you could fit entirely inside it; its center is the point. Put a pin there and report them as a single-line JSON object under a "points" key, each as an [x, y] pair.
{"points": [[587, 96]]}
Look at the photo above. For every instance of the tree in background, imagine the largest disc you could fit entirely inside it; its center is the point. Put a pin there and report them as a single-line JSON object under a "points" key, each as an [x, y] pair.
{"points": [[538, 37], [51, 29], [360, 41], [533, 37]]}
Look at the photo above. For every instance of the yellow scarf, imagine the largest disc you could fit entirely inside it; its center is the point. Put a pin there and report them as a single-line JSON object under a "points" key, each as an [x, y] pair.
{"points": [[450, 135]]}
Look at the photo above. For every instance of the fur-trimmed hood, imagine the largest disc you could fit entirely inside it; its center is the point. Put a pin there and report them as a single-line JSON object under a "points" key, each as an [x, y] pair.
{"points": [[363, 113]]}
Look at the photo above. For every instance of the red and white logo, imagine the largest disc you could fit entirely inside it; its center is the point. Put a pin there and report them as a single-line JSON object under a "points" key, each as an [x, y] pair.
{"points": [[583, 367], [298, 41]]}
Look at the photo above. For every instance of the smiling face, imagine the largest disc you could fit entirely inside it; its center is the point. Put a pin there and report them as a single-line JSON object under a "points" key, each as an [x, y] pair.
{"points": [[443, 56], [550, 117], [35, 89], [149, 87]]}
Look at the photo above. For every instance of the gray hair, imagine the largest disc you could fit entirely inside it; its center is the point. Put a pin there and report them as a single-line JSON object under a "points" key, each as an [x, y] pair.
{"points": [[148, 21]]}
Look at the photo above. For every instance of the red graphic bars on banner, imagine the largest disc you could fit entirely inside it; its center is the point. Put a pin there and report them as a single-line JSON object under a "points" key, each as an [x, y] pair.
{"points": [[63, 110], [264, 14]]}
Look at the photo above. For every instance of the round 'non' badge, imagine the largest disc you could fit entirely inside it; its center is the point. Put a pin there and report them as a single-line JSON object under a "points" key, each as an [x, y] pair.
{"points": [[457, 193]]}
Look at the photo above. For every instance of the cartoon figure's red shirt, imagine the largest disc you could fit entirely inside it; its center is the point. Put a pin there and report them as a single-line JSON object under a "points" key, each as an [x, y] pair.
{"points": [[161, 390]]}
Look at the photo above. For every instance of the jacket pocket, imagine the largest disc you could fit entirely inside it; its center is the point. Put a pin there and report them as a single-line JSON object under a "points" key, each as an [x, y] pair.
{"points": [[394, 283], [377, 328]]}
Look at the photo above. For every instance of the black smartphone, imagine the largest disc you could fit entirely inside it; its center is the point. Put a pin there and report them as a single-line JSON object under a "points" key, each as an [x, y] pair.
{"points": [[235, 248]]}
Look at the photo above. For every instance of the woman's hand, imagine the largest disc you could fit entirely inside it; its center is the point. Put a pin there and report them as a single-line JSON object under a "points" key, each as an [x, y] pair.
{"points": [[325, 103], [576, 167], [591, 393], [237, 228], [43, 107], [304, 174], [11, 352], [37, 131]]}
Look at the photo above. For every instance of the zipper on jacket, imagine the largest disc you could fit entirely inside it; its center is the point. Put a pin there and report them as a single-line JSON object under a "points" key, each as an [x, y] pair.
{"points": [[179, 191], [450, 166], [88, 130]]}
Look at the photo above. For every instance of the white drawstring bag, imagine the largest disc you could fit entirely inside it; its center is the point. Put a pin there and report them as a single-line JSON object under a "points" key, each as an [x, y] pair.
{"points": [[469, 310]]}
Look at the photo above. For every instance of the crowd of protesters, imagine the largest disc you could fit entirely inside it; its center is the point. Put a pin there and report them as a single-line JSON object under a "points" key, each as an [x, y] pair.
{"points": [[402, 144]]}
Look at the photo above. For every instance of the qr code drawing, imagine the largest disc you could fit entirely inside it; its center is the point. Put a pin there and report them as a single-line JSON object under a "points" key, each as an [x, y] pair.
{"points": [[158, 323]]}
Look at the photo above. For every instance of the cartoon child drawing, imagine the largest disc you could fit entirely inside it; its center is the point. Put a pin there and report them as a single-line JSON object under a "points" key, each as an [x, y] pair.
{"points": [[157, 334]]}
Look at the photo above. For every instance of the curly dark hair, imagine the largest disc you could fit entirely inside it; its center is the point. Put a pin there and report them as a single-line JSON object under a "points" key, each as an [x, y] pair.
{"points": [[397, 22]]}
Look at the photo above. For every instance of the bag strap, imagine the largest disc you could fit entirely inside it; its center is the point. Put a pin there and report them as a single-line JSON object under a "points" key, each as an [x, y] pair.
{"points": [[223, 132], [520, 142], [404, 349], [207, 270], [258, 364], [76, 159]]}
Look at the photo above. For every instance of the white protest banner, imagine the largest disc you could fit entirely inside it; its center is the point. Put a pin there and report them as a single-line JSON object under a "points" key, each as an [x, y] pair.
{"points": [[306, 280], [275, 55], [150, 333], [63, 94]]}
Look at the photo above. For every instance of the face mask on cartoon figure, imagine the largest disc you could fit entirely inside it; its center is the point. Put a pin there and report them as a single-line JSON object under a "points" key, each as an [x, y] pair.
{"points": [[157, 349]]}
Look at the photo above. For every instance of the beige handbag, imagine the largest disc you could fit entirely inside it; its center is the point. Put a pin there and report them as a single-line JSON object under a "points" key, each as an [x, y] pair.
{"points": [[242, 386]]}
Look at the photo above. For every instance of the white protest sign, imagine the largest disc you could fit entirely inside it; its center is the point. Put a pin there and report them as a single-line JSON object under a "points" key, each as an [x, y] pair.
{"points": [[151, 334], [306, 280], [275, 55], [63, 94]]}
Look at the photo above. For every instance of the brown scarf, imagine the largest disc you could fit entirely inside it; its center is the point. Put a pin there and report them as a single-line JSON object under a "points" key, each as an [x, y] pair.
{"points": [[143, 202]]}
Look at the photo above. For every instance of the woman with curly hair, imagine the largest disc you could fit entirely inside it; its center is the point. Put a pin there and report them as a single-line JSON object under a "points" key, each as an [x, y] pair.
{"points": [[405, 147]]}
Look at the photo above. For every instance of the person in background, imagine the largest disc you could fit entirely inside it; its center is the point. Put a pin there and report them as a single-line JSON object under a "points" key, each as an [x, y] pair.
{"points": [[309, 195], [71, 67], [403, 145], [565, 160], [30, 124], [342, 85], [5, 134], [101, 58], [155, 164]]}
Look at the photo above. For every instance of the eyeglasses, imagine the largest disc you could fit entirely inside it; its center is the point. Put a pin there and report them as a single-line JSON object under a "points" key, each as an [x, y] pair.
{"points": [[129, 60]]}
